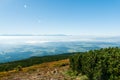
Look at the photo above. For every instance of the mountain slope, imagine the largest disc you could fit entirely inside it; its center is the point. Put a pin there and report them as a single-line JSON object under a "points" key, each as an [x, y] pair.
{"points": [[46, 71]]}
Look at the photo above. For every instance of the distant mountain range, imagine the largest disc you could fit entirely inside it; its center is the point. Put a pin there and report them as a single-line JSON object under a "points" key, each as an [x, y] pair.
{"points": [[83, 38], [33, 35]]}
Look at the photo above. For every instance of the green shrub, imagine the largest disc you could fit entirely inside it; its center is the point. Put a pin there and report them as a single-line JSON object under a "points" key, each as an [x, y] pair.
{"points": [[103, 64], [18, 68]]}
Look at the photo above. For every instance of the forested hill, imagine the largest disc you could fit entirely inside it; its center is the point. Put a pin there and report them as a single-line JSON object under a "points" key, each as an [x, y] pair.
{"points": [[103, 64]]}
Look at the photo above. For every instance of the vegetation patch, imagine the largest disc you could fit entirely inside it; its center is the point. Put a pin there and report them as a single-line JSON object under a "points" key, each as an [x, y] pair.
{"points": [[103, 64], [75, 76]]}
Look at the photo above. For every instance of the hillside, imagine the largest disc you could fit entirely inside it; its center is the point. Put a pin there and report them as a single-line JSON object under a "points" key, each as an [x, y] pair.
{"points": [[102, 64], [32, 61], [55, 67], [55, 70]]}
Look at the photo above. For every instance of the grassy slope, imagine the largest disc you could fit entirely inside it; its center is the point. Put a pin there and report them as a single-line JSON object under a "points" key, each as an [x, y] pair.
{"points": [[45, 70], [32, 61]]}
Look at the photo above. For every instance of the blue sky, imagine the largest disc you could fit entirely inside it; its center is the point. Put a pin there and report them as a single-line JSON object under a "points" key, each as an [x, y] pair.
{"points": [[74, 17]]}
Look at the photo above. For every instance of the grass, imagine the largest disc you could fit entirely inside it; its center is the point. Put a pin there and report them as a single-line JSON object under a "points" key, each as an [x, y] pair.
{"points": [[44, 66], [31, 69], [74, 75]]}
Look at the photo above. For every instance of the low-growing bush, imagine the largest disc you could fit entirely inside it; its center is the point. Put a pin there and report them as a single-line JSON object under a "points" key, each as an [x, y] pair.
{"points": [[103, 64]]}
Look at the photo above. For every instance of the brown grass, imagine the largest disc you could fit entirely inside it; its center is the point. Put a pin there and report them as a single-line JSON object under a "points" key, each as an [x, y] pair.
{"points": [[42, 66]]}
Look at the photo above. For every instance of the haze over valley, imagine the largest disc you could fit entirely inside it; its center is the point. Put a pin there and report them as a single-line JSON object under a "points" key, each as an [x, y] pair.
{"points": [[21, 47]]}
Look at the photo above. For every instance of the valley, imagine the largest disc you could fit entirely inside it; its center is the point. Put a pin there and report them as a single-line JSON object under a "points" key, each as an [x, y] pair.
{"points": [[15, 52]]}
